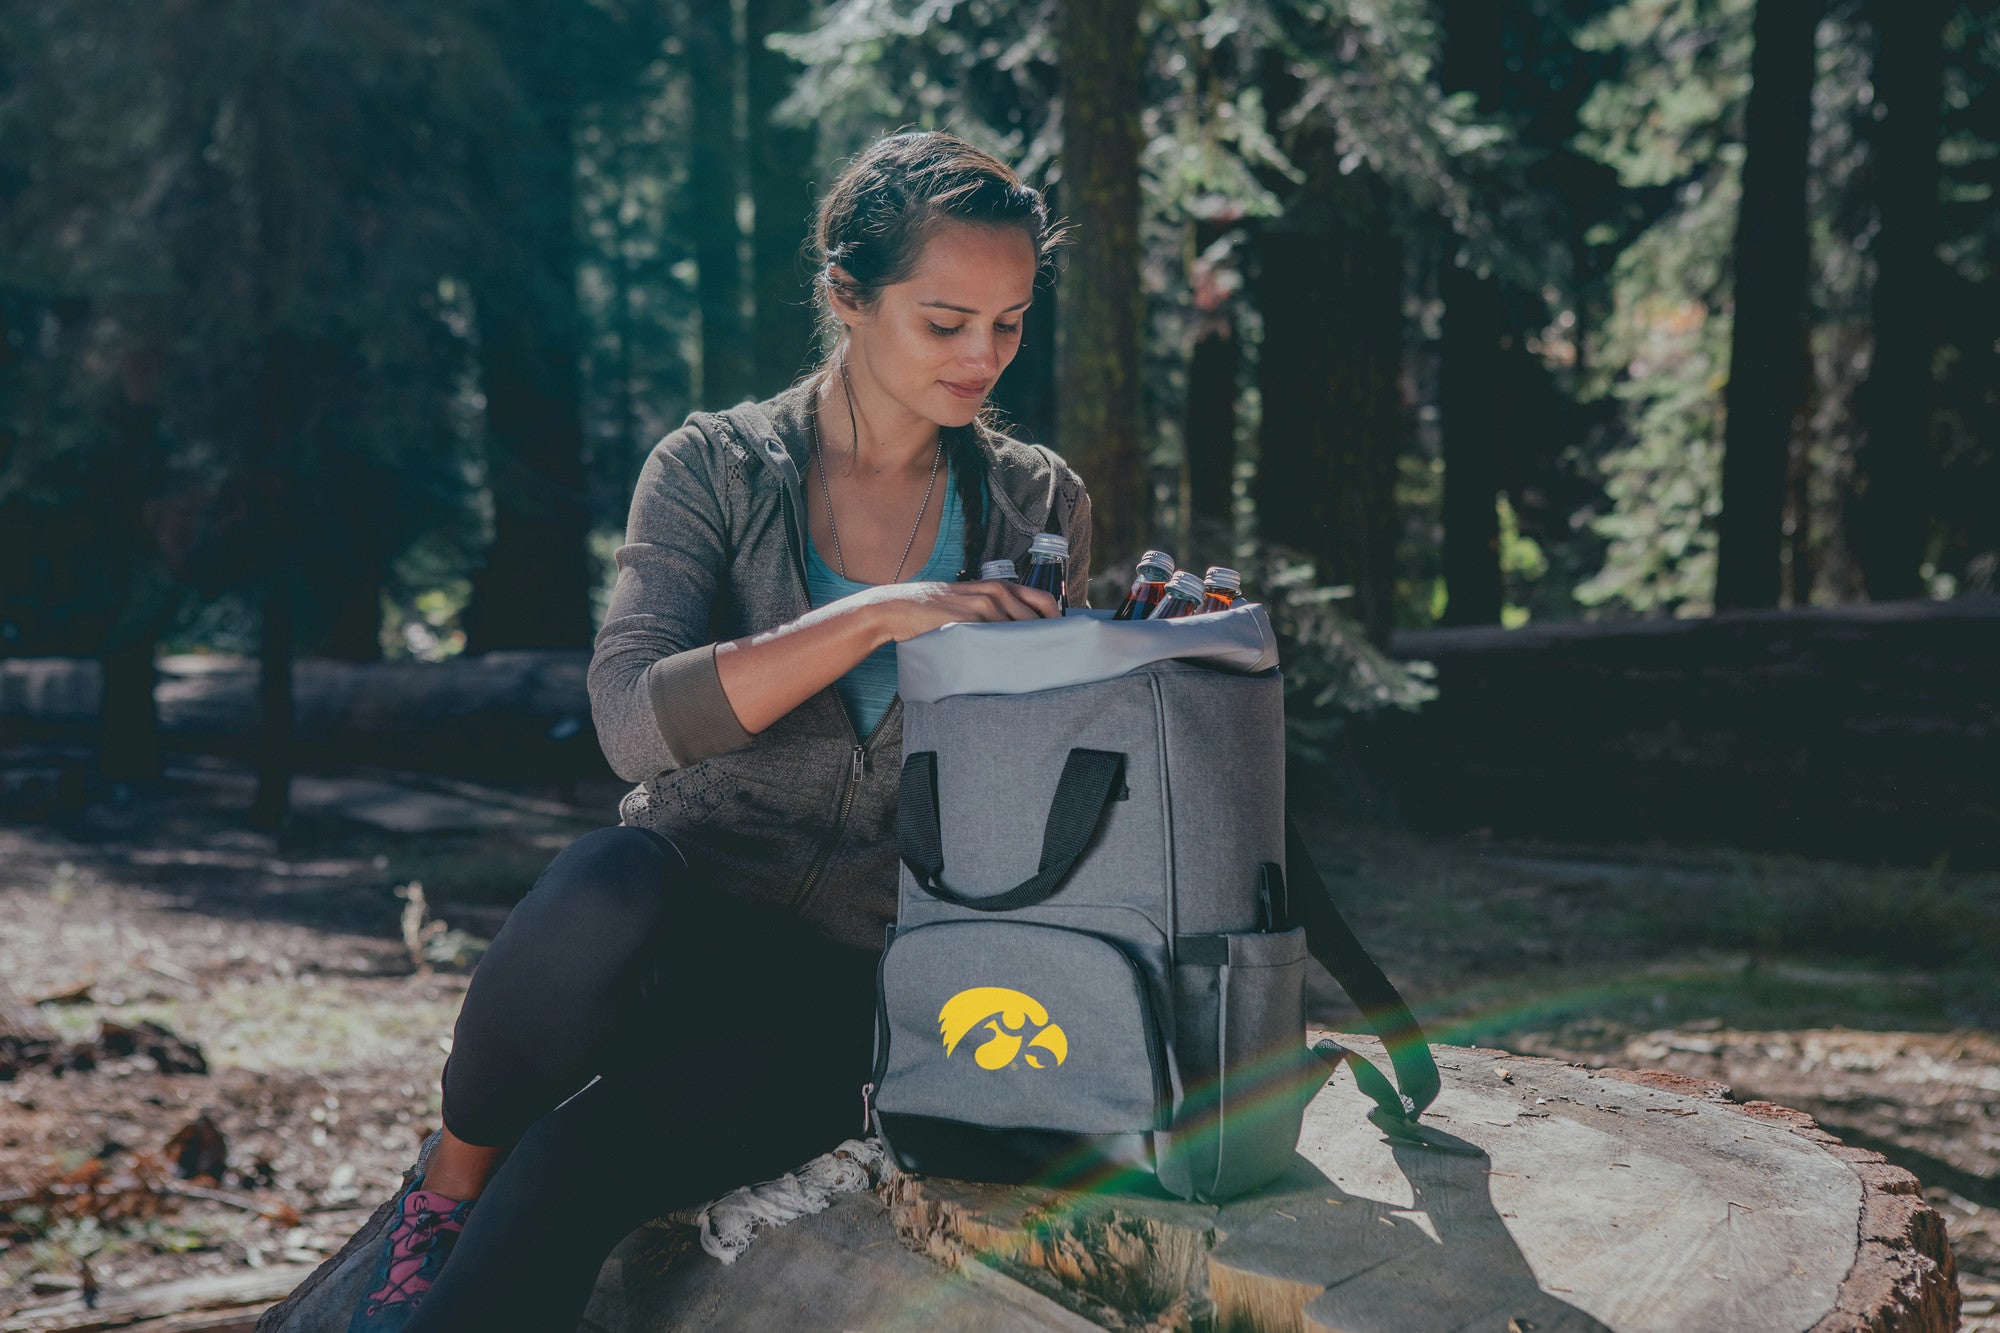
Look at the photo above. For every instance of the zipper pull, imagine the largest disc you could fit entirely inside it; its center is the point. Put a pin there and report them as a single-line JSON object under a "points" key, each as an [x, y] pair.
{"points": [[867, 1109], [860, 762]]}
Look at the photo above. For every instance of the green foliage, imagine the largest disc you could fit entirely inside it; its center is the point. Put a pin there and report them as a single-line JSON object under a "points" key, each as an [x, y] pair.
{"points": [[634, 276], [984, 69], [1332, 672], [251, 217], [1670, 127]]}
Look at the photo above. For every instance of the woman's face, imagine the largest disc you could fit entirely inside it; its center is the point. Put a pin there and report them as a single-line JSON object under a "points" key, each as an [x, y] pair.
{"points": [[936, 343]]}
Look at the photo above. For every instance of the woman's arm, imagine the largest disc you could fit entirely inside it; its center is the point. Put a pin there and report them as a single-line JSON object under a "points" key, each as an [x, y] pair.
{"points": [[654, 694], [767, 675], [663, 696]]}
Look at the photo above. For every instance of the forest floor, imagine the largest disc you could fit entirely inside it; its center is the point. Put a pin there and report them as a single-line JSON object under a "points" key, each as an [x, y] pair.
{"points": [[1869, 998]]}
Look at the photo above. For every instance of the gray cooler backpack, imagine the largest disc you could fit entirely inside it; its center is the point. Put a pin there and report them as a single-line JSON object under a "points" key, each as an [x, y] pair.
{"points": [[1096, 975]]}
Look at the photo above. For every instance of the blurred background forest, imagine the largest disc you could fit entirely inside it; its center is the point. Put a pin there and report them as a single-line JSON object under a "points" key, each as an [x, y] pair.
{"points": [[340, 328], [1604, 396]]}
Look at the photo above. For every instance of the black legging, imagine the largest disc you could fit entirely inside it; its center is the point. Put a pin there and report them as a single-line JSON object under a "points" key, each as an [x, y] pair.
{"points": [[728, 1043]]}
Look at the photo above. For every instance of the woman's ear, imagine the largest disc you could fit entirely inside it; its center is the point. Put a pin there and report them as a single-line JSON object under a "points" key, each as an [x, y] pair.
{"points": [[840, 290]]}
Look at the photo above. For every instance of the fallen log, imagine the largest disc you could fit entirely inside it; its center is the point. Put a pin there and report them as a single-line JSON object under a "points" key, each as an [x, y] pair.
{"points": [[1568, 1199], [517, 715], [1858, 732], [227, 1303]]}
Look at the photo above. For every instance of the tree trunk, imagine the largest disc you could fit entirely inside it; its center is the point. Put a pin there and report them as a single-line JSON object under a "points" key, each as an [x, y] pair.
{"points": [[1026, 394], [1098, 357], [129, 740], [535, 589], [272, 804], [1211, 402], [1333, 423], [356, 632], [279, 415], [1471, 373], [708, 205], [1471, 387], [1896, 402], [781, 188], [1769, 362]]}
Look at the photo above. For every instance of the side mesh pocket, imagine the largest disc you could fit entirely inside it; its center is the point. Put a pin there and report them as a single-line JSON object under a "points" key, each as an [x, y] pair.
{"points": [[1246, 1078]]}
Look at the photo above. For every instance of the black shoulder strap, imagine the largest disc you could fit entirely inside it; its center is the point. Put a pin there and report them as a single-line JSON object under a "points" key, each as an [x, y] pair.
{"points": [[1088, 785], [1334, 944]]}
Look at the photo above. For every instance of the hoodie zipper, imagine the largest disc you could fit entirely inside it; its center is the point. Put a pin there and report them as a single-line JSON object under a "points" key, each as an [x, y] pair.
{"points": [[858, 755], [850, 788]]}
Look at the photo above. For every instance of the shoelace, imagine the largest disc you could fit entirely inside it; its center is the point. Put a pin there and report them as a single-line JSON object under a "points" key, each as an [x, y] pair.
{"points": [[423, 1224]]}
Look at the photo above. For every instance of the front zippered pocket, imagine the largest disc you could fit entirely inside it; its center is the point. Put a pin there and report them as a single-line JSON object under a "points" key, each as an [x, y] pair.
{"points": [[1008, 1025]]}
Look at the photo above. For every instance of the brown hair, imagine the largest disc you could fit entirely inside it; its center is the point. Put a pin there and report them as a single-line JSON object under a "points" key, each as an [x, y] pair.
{"points": [[870, 233]]}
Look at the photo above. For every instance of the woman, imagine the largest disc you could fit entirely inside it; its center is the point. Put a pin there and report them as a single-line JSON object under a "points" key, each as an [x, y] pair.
{"points": [[684, 1003]]}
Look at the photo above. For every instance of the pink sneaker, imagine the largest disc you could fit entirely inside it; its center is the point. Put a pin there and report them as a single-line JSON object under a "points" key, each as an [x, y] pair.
{"points": [[426, 1229]]}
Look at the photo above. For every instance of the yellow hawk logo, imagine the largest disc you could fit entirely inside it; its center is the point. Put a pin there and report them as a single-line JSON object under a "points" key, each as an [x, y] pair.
{"points": [[1006, 1014]]}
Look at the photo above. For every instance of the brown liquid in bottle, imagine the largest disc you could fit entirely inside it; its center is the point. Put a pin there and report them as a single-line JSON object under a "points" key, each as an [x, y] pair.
{"points": [[1222, 588], [1183, 598], [1149, 584], [1139, 603]]}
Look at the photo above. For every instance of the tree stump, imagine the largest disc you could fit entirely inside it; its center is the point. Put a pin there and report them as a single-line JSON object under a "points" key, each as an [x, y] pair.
{"points": [[1564, 1198]]}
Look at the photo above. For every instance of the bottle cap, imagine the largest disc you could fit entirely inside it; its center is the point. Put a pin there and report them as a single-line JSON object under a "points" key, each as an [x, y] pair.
{"points": [[1185, 584], [1049, 543], [1160, 563], [1219, 576], [999, 569]]}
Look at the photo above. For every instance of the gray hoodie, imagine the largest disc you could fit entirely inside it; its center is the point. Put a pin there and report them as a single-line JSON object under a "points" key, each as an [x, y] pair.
{"points": [[804, 812]]}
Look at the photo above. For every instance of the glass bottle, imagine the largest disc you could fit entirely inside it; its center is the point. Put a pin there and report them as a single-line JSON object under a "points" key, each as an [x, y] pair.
{"points": [[1148, 585], [1048, 566], [1000, 569], [1224, 586], [1183, 597]]}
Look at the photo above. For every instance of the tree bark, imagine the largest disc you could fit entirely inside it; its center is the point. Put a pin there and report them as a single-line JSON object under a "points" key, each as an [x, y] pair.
{"points": [[1889, 525], [1334, 424], [1210, 432], [129, 741], [355, 634], [1471, 386], [1769, 361], [271, 806], [708, 205], [1471, 376], [1026, 394], [535, 589], [279, 415], [1099, 410], [781, 189]]}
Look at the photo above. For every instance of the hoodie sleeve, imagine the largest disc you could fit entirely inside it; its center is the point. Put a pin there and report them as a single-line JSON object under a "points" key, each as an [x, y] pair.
{"points": [[655, 695], [1077, 528]]}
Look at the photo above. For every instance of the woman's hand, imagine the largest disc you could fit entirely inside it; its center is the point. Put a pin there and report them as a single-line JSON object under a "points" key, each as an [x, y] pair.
{"points": [[768, 674], [909, 609]]}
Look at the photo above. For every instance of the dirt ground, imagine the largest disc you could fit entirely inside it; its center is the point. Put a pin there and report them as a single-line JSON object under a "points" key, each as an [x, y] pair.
{"points": [[1866, 997]]}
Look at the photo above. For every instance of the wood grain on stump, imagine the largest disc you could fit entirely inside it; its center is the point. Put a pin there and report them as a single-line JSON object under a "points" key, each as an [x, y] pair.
{"points": [[1565, 1198]]}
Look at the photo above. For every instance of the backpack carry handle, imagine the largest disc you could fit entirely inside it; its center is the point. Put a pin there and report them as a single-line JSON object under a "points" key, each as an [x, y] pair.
{"points": [[1089, 783]]}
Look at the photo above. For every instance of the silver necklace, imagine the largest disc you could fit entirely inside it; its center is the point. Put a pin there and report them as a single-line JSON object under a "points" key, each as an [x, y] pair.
{"points": [[826, 493]]}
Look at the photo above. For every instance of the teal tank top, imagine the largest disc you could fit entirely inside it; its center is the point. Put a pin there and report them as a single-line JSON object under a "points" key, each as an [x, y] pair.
{"points": [[868, 688]]}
